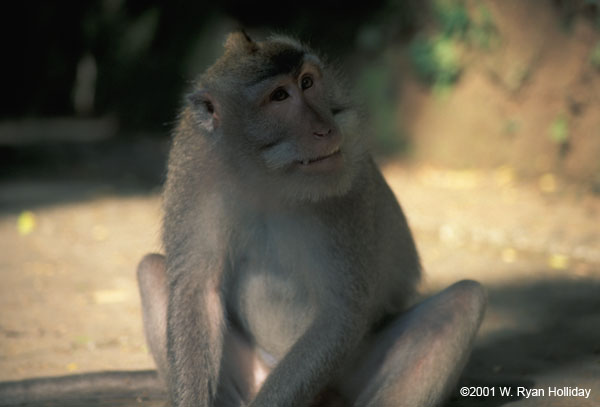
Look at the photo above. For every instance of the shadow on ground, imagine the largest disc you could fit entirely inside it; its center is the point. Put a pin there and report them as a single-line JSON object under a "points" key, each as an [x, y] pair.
{"points": [[47, 174], [544, 328]]}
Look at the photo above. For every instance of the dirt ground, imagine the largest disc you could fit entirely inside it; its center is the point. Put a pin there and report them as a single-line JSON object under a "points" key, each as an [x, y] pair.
{"points": [[70, 304]]}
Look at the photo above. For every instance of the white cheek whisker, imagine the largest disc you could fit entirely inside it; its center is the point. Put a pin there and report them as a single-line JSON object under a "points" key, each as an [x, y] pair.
{"points": [[280, 155]]}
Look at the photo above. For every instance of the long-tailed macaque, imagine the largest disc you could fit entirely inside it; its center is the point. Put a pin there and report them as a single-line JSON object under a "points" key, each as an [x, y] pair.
{"points": [[289, 264], [290, 270]]}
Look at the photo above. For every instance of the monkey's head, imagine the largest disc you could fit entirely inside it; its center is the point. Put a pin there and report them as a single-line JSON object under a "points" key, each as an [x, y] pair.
{"points": [[280, 119]]}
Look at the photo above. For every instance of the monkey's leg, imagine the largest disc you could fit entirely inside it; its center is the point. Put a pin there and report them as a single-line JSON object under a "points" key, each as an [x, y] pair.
{"points": [[417, 359], [242, 371]]}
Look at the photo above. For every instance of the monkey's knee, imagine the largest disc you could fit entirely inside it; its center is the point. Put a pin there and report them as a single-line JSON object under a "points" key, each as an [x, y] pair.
{"points": [[152, 265], [151, 276], [152, 281], [469, 300], [425, 350]]}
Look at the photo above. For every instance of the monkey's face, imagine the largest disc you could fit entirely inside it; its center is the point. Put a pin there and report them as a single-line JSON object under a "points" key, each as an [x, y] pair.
{"points": [[283, 122], [298, 131]]}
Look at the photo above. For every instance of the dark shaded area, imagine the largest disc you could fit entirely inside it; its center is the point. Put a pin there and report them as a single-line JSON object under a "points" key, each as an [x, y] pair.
{"points": [[61, 172], [555, 328], [142, 49], [140, 161], [109, 389]]}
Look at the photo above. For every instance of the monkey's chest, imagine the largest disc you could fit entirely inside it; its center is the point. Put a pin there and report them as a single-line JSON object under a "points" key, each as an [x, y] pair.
{"points": [[275, 296]]}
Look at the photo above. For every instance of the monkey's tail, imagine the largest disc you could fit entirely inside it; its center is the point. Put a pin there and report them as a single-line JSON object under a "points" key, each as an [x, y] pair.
{"points": [[97, 389]]}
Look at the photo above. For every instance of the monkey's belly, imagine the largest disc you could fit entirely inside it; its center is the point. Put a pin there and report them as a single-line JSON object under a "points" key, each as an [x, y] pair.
{"points": [[275, 311]]}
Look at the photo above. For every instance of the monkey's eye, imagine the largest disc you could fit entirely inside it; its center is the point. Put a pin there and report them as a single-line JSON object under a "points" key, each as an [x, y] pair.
{"points": [[306, 82], [279, 94]]}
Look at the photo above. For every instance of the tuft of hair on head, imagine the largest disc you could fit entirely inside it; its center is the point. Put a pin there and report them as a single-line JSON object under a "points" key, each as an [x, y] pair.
{"points": [[287, 40], [240, 42]]}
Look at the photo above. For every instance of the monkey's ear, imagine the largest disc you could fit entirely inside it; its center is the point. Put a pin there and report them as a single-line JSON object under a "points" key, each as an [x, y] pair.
{"points": [[240, 42], [205, 108]]}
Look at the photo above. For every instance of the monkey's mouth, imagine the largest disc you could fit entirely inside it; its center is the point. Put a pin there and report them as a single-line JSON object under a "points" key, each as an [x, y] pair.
{"points": [[323, 162], [308, 161]]}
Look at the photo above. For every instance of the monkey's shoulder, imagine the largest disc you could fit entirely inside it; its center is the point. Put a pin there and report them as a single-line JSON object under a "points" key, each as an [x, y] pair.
{"points": [[395, 257]]}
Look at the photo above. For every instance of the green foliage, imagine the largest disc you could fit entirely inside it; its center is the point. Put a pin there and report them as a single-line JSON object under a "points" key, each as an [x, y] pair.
{"points": [[595, 56], [482, 31], [559, 129], [436, 59], [452, 16]]}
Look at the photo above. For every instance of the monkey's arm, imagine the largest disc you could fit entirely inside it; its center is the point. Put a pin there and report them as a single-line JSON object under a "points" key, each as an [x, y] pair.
{"points": [[194, 340], [196, 242]]}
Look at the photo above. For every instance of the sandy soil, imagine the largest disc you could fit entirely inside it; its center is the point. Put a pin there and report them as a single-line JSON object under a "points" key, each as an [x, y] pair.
{"points": [[70, 303]]}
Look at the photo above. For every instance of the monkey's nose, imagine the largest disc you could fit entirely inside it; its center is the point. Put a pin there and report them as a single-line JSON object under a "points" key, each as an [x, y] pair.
{"points": [[322, 133]]}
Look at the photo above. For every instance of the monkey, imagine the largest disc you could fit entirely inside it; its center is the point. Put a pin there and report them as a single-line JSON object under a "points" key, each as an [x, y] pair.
{"points": [[289, 275], [290, 269]]}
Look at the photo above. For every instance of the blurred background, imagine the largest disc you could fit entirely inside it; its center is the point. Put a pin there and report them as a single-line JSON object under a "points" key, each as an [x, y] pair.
{"points": [[458, 83], [485, 117]]}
